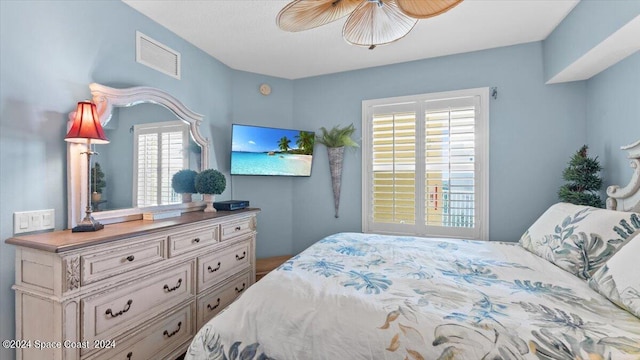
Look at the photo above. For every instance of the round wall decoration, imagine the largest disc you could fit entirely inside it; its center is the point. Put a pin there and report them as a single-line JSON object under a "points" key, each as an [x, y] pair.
{"points": [[265, 89]]}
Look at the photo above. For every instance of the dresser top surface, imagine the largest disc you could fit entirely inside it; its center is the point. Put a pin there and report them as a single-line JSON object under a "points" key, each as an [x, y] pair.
{"points": [[65, 240]]}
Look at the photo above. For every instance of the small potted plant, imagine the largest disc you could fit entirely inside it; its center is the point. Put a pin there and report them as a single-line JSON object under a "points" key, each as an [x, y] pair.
{"points": [[336, 140], [184, 182], [210, 182], [97, 183]]}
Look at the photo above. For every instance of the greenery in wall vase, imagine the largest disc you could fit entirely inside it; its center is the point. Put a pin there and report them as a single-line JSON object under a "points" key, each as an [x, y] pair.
{"points": [[336, 140], [210, 182], [337, 137], [583, 180]]}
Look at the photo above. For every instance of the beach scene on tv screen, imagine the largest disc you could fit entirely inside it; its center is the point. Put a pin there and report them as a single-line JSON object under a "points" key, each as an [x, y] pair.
{"points": [[270, 151]]}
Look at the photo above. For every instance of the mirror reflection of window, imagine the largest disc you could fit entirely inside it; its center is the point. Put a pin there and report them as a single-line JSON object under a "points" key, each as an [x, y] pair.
{"points": [[160, 150]]}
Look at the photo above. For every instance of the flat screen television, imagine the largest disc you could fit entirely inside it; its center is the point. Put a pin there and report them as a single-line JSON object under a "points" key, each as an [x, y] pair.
{"points": [[257, 150]]}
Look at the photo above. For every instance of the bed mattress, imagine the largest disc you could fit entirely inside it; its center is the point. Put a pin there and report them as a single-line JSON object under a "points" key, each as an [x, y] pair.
{"points": [[363, 296]]}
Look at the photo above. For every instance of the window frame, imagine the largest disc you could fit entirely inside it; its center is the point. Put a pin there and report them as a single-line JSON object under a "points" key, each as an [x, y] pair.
{"points": [[481, 165], [158, 128]]}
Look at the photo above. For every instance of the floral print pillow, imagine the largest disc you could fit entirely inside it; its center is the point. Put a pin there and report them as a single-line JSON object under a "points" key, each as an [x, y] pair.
{"points": [[580, 239], [619, 278]]}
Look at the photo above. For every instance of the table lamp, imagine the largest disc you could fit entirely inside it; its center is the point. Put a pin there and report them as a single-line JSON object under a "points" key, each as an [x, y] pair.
{"points": [[86, 128]]}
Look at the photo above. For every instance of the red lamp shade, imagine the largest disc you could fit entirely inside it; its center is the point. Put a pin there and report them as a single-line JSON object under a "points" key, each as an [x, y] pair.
{"points": [[86, 125]]}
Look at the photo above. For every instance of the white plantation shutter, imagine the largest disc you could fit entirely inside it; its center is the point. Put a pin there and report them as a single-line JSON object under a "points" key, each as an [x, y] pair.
{"points": [[393, 165], [147, 174], [162, 152], [450, 163], [424, 164]]}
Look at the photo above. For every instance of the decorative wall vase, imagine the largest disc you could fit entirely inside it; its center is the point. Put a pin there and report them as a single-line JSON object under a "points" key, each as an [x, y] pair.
{"points": [[208, 199], [186, 198], [336, 156]]}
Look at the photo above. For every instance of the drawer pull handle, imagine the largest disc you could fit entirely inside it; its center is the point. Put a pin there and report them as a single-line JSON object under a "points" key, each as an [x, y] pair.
{"points": [[238, 228], [210, 269], [168, 289], [129, 355], [167, 334], [244, 254], [196, 240], [211, 308], [131, 258], [126, 308], [241, 290]]}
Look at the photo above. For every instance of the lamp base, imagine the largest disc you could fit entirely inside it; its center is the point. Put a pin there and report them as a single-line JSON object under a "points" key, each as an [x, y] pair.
{"points": [[88, 227]]}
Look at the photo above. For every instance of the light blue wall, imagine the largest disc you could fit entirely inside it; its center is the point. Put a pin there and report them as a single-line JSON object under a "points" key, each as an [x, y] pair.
{"points": [[270, 193], [533, 129], [586, 26], [51, 51], [613, 117]]}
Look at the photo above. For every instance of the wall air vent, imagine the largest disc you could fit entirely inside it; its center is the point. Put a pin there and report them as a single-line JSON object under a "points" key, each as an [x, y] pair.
{"points": [[157, 56]]}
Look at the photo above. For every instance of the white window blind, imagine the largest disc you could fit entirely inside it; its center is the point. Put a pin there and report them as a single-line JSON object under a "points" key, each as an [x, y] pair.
{"points": [[161, 149], [425, 164]]}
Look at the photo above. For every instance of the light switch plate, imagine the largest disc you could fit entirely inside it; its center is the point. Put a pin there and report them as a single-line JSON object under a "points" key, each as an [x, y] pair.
{"points": [[28, 221]]}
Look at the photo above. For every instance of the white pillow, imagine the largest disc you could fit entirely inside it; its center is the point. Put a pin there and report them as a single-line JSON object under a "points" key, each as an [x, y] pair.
{"points": [[619, 278], [580, 239]]}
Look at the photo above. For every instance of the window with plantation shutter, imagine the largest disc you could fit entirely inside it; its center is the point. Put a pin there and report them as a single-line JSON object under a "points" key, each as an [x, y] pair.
{"points": [[425, 165], [161, 149], [393, 165]]}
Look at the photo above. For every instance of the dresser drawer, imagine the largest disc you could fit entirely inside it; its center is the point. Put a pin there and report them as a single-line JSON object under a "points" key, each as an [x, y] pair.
{"points": [[235, 228], [109, 313], [219, 266], [212, 303], [120, 259], [169, 332], [193, 239]]}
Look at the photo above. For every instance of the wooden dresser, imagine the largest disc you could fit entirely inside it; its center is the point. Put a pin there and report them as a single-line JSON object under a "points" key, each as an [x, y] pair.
{"points": [[134, 290]]}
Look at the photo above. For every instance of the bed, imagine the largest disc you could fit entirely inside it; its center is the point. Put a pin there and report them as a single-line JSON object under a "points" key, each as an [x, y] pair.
{"points": [[569, 289]]}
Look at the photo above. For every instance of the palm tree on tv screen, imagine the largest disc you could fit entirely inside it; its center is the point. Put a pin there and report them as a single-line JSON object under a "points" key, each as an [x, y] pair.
{"points": [[305, 141], [283, 144]]}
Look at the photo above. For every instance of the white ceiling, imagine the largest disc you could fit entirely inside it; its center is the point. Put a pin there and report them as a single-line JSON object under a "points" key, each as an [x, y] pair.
{"points": [[243, 33]]}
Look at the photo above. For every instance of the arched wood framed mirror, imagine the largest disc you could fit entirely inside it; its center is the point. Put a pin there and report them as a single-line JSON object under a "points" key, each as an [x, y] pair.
{"points": [[129, 116]]}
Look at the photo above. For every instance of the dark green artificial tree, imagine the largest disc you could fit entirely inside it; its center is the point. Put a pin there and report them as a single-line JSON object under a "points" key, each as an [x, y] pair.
{"points": [[583, 180], [97, 181]]}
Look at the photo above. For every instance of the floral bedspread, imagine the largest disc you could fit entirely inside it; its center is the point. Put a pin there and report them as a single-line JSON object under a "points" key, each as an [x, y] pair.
{"points": [[362, 296]]}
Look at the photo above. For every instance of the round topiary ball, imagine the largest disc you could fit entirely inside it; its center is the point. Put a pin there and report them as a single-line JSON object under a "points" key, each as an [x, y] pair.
{"points": [[210, 181], [183, 182]]}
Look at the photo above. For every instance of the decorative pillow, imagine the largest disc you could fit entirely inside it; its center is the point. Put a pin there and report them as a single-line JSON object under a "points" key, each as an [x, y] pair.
{"points": [[619, 278], [580, 239]]}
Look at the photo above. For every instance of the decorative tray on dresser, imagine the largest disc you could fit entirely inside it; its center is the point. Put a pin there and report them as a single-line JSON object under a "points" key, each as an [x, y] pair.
{"points": [[134, 290]]}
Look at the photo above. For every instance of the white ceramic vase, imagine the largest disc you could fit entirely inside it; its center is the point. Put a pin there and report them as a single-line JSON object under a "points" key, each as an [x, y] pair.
{"points": [[208, 199]]}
